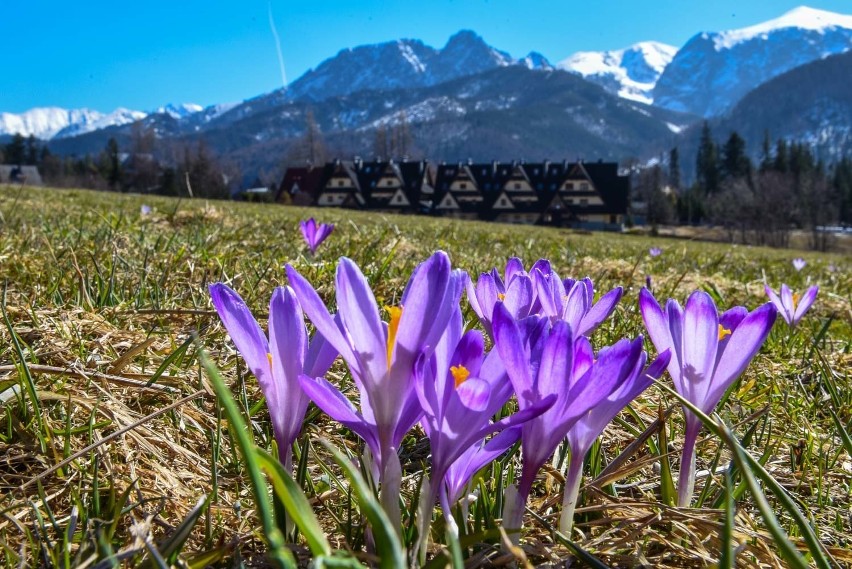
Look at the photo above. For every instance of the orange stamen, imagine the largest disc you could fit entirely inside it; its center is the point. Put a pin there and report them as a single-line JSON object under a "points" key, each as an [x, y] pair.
{"points": [[723, 332], [395, 313], [269, 357], [460, 374], [501, 296], [796, 298]]}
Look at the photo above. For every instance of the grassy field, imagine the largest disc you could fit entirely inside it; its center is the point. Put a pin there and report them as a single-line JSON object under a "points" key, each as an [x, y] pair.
{"points": [[101, 303]]}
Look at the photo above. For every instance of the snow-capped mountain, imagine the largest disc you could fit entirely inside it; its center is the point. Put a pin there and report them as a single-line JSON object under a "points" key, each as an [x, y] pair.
{"points": [[403, 64], [49, 122], [715, 70], [630, 73], [180, 111]]}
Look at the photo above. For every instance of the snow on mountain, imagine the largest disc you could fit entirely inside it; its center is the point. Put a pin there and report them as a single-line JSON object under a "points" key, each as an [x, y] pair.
{"points": [[630, 73], [803, 18], [180, 111], [715, 70], [49, 122], [97, 121], [403, 64]]}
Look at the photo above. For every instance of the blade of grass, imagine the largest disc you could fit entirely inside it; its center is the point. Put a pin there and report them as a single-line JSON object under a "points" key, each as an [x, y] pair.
{"points": [[281, 556], [749, 466], [294, 500], [388, 546]]}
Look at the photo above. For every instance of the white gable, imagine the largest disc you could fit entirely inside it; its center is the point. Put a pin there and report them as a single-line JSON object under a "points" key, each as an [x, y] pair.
{"points": [[503, 202], [448, 202], [399, 198]]}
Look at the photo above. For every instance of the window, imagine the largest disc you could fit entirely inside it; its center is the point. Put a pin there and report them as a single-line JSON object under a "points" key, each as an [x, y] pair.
{"points": [[612, 219], [584, 201], [463, 185], [517, 185], [584, 187], [339, 182]]}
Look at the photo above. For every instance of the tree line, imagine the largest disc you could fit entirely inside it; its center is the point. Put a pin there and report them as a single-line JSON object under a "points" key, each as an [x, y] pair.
{"points": [[756, 202], [143, 167]]}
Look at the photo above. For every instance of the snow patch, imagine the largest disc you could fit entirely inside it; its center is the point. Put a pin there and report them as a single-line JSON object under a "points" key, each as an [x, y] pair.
{"points": [[803, 17]]}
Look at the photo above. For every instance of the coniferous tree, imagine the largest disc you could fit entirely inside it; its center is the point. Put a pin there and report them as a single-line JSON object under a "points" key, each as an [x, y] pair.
{"points": [[16, 150], [735, 162], [766, 152], [674, 169], [707, 162], [782, 163]]}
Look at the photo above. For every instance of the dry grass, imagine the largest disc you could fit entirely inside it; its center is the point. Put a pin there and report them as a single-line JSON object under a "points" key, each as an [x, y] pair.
{"points": [[101, 298]]}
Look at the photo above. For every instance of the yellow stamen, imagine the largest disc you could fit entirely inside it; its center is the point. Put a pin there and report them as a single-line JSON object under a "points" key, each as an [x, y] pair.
{"points": [[460, 374], [395, 313], [795, 300], [723, 332], [501, 296], [269, 357]]}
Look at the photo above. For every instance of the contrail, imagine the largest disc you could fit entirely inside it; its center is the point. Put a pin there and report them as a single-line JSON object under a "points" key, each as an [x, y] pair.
{"points": [[277, 46]]}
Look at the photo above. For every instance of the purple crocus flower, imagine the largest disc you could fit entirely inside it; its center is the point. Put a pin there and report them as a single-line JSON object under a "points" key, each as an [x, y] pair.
{"points": [[516, 289], [381, 356], [548, 361], [314, 233], [709, 351], [145, 209], [573, 302], [655, 251], [583, 434], [276, 366], [791, 306], [460, 389], [799, 263]]}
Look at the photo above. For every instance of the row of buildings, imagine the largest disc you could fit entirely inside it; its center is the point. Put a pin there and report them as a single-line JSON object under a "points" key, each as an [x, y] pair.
{"points": [[588, 195]]}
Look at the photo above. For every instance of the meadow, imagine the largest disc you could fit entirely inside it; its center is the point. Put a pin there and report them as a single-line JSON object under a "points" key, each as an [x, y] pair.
{"points": [[115, 448]]}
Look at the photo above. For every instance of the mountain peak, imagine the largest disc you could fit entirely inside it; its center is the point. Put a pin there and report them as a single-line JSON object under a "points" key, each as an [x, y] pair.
{"points": [[630, 72], [803, 17], [464, 37]]}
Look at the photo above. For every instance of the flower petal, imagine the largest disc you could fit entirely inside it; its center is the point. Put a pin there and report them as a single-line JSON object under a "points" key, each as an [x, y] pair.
{"points": [[575, 305], [599, 312], [805, 303], [334, 404], [244, 331], [514, 267], [700, 343], [657, 325], [519, 296], [513, 352], [360, 315], [289, 344], [744, 343]]}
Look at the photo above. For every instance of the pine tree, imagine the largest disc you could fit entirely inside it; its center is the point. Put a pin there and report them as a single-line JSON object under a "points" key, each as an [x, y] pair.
{"points": [[674, 169], [735, 162], [766, 152], [781, 163], [16, 150], [707, 162]]}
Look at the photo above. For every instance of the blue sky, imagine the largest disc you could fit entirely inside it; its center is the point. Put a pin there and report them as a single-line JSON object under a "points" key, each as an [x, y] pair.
{"points": [[141, 55]]}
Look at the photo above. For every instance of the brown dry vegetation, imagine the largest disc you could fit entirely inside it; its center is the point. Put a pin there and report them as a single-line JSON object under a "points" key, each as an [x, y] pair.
{"points": [[103, 303]]}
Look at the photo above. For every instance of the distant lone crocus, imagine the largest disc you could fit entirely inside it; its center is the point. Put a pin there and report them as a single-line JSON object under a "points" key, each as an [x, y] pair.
{"points": [[544, 361], [708, 352], [583, 434], [799, 263], [792, 306], [315, 233], [655, 251], [145, 209], [276, 363], [381, 356]]}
